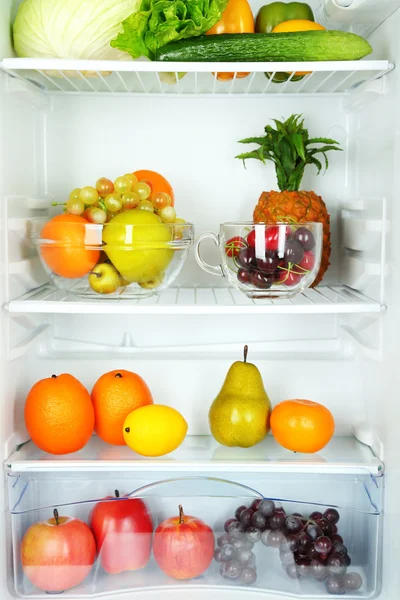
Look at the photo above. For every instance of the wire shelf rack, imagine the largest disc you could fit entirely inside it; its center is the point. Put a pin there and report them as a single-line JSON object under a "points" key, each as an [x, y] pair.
{"points": [[60, 76], [198, 301]]}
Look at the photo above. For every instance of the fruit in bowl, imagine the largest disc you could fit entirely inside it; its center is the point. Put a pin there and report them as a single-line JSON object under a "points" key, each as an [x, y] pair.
{"points": [[116, 235], [267, 260]]}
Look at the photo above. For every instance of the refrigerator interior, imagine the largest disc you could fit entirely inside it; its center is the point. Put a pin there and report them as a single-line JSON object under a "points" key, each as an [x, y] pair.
{"points": [[335, 345]]}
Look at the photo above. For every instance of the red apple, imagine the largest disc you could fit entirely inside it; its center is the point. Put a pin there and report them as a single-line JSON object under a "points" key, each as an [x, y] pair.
{"points": [[58, 554], [123, 529], [183, 546]]}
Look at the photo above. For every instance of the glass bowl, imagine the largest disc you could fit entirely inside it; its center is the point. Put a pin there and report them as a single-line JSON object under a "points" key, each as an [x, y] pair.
{"points": [[113, 260], [276, 260]]}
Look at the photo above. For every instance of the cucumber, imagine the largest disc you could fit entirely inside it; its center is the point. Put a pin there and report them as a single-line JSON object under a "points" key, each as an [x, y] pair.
{"points": [[301, 46]]}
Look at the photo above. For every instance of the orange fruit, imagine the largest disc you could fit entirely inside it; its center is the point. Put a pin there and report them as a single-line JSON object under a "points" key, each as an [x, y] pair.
{"points": [[157, 181], [302, 425], [68, 256], [59, 414], [114, 396]]}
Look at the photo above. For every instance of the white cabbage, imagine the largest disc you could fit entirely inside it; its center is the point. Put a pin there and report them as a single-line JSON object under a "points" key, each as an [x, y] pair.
{"points": [[75, 29]]}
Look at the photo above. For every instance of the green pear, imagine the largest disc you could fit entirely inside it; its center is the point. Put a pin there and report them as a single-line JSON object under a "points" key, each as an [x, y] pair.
{"points": [[239, 415]]}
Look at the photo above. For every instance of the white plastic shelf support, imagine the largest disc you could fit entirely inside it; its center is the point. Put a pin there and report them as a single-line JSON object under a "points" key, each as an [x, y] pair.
{"points": [[61, 76], [198, 301], [202, 454]]}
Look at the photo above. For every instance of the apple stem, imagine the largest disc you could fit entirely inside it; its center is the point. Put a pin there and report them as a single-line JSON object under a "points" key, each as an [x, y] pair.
{"points": [[116, 493], [94, 273], [55, 513], [181, 515], [245, 351]]}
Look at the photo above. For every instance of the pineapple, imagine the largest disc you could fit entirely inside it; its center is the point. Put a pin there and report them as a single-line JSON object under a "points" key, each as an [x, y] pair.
{"points": [[291, 149]]}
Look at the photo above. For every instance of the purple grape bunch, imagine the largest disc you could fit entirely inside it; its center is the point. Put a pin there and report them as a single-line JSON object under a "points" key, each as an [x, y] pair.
{"points": [[308, 546], [288, 254]]}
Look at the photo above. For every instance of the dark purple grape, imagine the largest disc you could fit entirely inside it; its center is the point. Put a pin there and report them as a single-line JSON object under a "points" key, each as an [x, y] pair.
{"points": [[292, 572], [222, 570], [303, 542], [243, 275], [334, 528], [244, 556], [258, 520], [287, 558], [294, 524], [248, 576], [340, 548], [236, 529], [316, 515], [263, 281], [336, 564], [239, 543], [277, 520], [313, 554], [252, 562], [279, 509], [318, 570], [323, 545], [294, 252], [332, 515], [326, 526], [347, 560], [274, 538], [303, 566], [305, 237], [245, 517], [269, 263], [334, 585], [255, 504], [267, 508], [218, 555], [233, 569], [228, 524], [336, 538], [253, 534], [239, 511], [352, 581], [298, 515], [289, 543], [247, 258], [264, 537], [314, 531], [223, 540], [228, 552]]}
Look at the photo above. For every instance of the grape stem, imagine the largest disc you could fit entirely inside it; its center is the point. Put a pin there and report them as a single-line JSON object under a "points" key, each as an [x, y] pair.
{"points": [[58, 203]]}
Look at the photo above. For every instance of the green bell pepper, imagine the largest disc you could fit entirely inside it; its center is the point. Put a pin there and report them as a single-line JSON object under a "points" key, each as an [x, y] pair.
{"points": [[271, 15]]}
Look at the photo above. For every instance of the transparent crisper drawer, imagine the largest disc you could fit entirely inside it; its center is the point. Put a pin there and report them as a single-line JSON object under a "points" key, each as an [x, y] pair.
{"points": [[33, 497]]}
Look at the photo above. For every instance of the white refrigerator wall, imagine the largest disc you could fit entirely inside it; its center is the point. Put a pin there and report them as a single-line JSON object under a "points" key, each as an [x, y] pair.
{"points": [[51, 149]]}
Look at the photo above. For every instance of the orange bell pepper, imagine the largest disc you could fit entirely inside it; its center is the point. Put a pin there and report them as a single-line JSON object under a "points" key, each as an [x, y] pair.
{"points": [[236, 18]]}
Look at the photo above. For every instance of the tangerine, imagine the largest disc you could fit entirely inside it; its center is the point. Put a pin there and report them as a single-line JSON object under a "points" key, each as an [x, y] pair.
{"points": [[302, 425], [59, 414], [114, 396], [69, 255], [157, 181]]}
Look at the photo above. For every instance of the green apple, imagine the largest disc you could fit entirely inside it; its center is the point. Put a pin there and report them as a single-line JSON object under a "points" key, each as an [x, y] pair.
{"points": [[138, 245], [104, 279]]}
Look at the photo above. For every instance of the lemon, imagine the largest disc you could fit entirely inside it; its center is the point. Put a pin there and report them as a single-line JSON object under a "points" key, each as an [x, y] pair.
{"points": [[154, 430], [138, 245]]}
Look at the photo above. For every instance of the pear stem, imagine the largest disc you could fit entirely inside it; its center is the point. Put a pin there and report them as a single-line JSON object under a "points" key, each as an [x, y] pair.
{"points": [[181, 515], [55, 513], [245, 351]]}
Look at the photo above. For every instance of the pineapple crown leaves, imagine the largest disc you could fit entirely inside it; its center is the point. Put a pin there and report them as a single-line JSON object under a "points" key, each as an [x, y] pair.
{"points": [[291, 149]]}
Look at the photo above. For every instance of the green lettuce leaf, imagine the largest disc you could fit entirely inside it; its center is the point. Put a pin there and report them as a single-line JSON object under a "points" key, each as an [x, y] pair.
{"points": [[159, 22]]}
